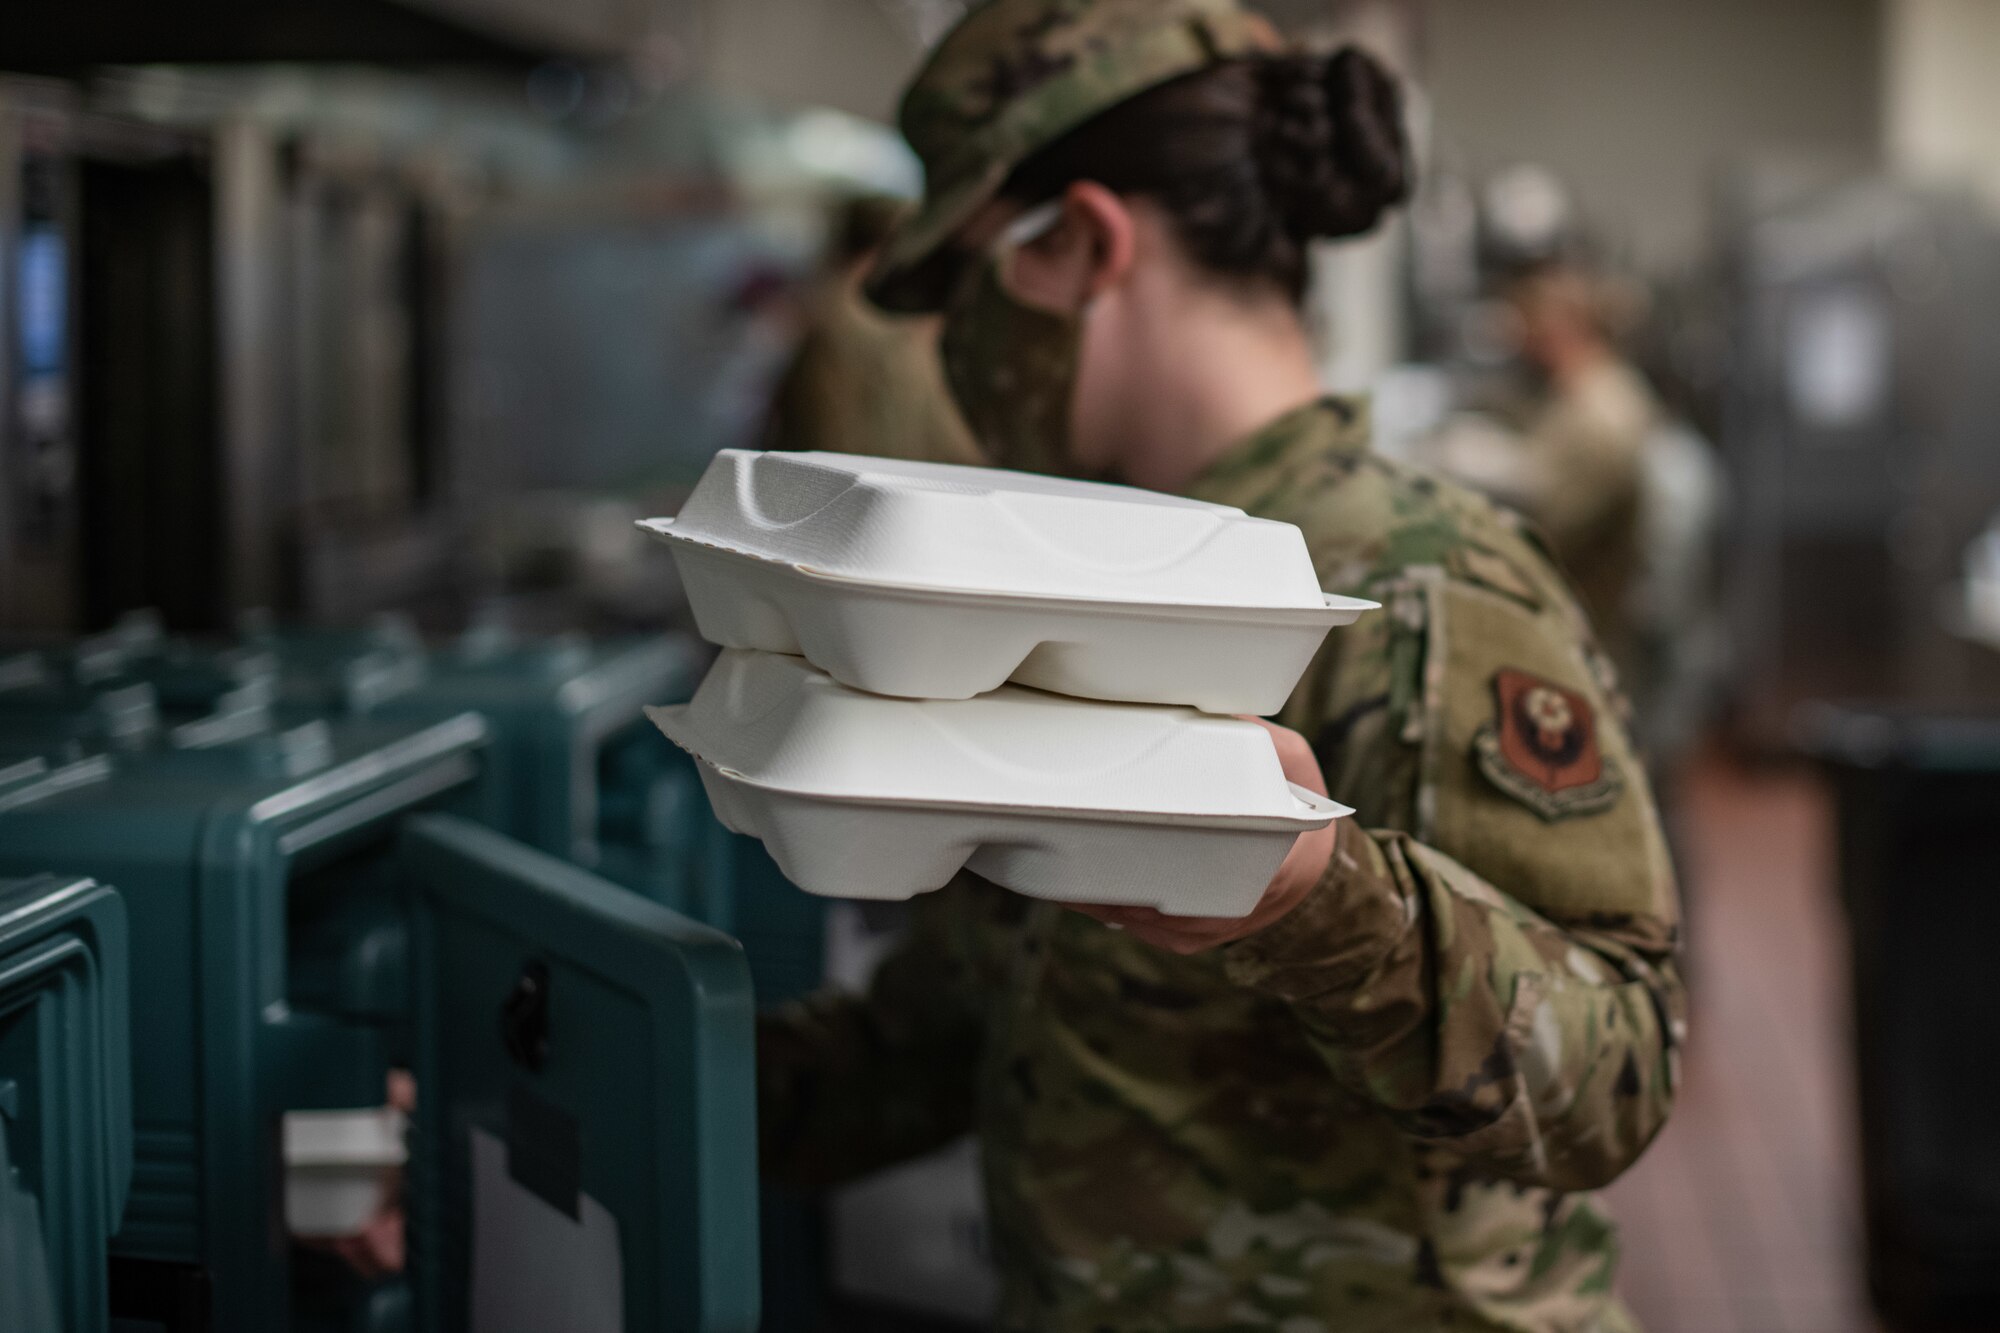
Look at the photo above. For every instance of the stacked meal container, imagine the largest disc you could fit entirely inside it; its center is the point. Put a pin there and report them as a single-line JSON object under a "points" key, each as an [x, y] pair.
{"points": [[930, 667]]}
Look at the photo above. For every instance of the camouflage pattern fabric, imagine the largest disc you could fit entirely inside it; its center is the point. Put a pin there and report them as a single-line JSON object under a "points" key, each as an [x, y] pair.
{"points": [[1014, 76], [862, 383], [1012, 371], [1383, 1112]]}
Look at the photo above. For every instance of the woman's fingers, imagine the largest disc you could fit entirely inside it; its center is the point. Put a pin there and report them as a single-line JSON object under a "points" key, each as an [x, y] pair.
{"points": [[1302, 868]]}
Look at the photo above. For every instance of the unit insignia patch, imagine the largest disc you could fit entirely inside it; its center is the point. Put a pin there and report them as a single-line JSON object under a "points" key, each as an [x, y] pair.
{"points": [[1542, 749]]}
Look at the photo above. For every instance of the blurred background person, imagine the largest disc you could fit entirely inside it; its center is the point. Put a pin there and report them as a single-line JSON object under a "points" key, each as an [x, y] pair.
{"points": [[863, 381], [1571, 434], [1581, 423]]}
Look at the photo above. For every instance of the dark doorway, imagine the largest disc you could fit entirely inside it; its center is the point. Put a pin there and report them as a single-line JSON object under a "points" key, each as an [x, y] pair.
{"points": [[153, 523]]}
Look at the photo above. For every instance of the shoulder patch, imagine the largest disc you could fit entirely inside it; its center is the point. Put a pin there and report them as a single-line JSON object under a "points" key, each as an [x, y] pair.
{"points": [[1542, 749]]}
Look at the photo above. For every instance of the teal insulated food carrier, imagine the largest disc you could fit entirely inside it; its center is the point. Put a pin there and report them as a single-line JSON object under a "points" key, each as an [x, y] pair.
{"points": [[270, 971], [272, 812], [65, 1101], [576, 771], [585, 1154]]}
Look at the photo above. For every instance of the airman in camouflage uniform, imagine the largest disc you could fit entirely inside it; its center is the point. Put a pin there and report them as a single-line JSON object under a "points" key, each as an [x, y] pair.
{"points": [[1385, 1111], [1572, 456], [861, 381]]}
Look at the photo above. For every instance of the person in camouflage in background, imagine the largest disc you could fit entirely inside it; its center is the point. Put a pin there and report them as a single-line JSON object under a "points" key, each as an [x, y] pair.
{"points": [[860, 381], [1378, 1103]]}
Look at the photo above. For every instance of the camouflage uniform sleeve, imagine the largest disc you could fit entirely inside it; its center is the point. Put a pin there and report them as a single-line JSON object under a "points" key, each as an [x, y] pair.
{"points": [[1494, 965], [848, 1084]]}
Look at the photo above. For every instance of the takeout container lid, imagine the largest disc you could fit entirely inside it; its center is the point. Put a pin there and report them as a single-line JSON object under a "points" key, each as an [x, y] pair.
{"points": [[975, 529], [860, 796], [932, 581]]}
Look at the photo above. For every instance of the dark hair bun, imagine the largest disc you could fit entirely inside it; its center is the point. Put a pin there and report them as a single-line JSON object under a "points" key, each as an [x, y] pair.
{"points": [[1330, 145], [1251, 159]]}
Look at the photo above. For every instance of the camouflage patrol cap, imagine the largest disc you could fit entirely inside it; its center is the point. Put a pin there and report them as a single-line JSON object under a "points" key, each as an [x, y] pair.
{"points": [[1015, 75]]}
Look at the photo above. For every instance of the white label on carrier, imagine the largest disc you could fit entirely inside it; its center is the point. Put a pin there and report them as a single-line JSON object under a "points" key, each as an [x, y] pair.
{"points": [[535, 1269]]}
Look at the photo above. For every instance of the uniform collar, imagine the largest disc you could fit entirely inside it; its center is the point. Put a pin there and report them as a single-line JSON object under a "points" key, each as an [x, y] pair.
{"points": [[1332, 426]]}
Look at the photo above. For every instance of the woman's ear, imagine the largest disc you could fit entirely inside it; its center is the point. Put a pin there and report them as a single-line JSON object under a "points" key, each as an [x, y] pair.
{"points": [[1107, 222], [1089, 251]]}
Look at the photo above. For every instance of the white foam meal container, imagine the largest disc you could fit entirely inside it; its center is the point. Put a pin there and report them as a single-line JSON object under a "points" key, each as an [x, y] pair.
{"points": [[935, 581], [339, 1168], [861, 796]]}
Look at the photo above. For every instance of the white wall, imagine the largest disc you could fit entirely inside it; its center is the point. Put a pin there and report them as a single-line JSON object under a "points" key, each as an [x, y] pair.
{"points": [[1942, 112], [1639, 103]]}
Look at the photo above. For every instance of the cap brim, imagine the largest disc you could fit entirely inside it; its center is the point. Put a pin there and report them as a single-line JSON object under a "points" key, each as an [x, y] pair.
{"points": [[918, 265]]}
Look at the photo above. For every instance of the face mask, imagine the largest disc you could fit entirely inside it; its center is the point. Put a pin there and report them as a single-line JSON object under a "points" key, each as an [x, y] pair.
{"points": [[1011, 367]]}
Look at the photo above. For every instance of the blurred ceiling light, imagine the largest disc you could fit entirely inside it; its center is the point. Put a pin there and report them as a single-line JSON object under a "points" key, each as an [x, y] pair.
{"points": [[846, 150], [1838, 355], [1528, 209]]}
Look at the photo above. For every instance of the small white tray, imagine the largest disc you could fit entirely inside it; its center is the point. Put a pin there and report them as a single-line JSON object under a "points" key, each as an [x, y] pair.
{"points": [[339, 1168], [860, 796], [928, 580]]}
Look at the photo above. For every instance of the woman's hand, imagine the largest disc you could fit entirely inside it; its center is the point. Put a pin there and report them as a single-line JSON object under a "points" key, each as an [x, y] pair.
{"points": [[1303, 868]]}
